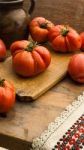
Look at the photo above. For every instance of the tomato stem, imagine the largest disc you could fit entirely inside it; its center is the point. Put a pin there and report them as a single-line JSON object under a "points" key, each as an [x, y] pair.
{"points": [[65, 31], [2, 82], [31, 46], [43, 25]]}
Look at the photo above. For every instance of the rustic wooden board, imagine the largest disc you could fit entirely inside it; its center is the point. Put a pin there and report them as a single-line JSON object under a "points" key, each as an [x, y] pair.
{"points": [[31, 88]]}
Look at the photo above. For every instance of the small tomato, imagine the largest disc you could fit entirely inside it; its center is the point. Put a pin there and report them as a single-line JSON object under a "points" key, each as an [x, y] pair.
{"points": [[76, 67], [39, 28], [7, 96]]}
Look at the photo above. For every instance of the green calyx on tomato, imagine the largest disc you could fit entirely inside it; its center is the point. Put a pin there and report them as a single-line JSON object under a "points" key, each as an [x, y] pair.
{"points": [[31, 46], [43, 25], [65, 31], [2, 82]]}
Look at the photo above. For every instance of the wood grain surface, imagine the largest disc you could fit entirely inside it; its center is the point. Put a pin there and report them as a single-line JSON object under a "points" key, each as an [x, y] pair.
{"points": [[28, 89], [28, 120]]}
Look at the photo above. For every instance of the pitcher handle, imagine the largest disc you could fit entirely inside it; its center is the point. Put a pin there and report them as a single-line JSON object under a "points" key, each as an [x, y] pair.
{"points": [[32, 6]]}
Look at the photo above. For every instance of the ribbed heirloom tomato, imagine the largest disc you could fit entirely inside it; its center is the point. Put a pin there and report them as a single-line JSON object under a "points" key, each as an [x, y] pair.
{"points": [[64, 39], [2, 50], [29, 59], [76, 67], [7, 96], [39, 28]]}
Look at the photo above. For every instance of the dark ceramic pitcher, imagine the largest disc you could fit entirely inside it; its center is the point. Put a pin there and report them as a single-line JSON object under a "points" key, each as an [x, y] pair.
{"points": [[14, 20]]}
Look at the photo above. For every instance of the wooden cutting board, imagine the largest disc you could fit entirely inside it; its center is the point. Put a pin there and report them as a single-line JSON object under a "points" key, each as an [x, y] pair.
{"points": [[28, 89]]}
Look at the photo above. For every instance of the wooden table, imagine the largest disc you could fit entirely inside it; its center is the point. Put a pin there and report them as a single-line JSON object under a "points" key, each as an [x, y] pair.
{"points": [[33, 118]]}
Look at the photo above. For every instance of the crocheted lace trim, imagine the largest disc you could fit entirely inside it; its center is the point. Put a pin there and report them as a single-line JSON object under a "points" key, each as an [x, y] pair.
{"points": [[38, 143]]}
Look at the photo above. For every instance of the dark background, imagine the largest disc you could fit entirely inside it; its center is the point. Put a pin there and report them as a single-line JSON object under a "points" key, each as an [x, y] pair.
{"points": [[60, 11]]}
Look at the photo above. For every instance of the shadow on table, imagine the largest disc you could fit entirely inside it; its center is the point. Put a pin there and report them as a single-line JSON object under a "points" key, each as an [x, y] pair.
{"points": [[14, 143]]}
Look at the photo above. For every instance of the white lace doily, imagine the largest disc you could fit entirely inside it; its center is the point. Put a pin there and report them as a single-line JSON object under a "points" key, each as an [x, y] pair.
{"points": [[38, 143]]}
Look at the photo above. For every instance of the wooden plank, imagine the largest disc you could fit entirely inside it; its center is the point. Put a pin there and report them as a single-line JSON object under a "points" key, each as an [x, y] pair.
{"points": [[31, 88], [28, 120]]}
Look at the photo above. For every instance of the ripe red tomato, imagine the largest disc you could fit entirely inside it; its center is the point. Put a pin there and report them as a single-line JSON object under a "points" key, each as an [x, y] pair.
{"points": [[2, 50], [76, 67], [29, 59], [39, 28], [7, 96], [64, 39], [82, 38], [18, 45]]}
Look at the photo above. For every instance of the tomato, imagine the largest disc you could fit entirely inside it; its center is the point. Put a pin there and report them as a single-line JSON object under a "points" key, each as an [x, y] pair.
{"points": [[39, 28], [7, 96], [64, 39], [2, 50], [29, 59], [76, 67], [18, 45], [82, 38]]}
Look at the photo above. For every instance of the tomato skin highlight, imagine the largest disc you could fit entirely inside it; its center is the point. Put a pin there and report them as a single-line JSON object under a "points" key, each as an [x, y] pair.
{"points": [[64, 39], [76, 68], [39, 28], [29, 60]]}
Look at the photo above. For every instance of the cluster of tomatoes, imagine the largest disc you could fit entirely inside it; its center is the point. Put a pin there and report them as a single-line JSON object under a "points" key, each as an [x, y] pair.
{"points": [[29, 58], [63, 39]]}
